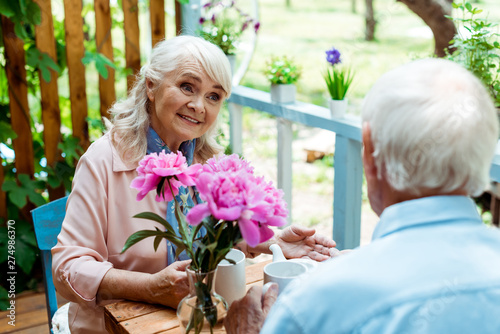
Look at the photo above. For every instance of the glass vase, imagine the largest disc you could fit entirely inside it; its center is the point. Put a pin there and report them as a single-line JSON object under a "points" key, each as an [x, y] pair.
{"points": [[202, 310]]}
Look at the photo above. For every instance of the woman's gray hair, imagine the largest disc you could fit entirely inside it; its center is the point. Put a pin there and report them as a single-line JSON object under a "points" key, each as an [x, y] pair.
{"points": [[130, 118], [433, 126]]}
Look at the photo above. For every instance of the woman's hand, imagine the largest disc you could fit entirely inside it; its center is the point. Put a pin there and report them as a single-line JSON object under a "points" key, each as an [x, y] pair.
{"points": [[166, 287], [302, 242], [170, 285]]}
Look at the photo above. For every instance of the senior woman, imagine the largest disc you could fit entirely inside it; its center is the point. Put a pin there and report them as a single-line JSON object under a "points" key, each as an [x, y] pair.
{"points": [[173, 106]]}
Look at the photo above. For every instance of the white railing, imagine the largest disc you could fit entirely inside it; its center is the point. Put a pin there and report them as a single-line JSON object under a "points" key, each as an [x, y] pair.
{"points": [[348, 168], [347, 195]]}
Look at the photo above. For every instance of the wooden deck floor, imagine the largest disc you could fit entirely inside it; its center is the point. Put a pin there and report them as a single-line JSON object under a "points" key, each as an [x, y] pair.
{"points": [[31, 314]]}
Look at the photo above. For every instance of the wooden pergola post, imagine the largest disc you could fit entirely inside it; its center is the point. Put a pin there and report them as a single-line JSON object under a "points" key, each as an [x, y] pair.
{"points": [[75, 51], [132, 46], [107, 91], [51, 114], [19, 109]]}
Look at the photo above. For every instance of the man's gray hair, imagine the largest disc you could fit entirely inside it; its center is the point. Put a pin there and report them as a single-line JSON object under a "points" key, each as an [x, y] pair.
{"points": [[433, 126]]}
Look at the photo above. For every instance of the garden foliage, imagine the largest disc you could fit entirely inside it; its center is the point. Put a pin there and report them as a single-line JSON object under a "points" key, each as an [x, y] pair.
{"points": [[22, 188]]}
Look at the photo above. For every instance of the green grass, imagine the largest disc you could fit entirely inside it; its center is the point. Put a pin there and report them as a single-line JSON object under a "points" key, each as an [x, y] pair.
{"points": [[309, 28], [305, 32]]}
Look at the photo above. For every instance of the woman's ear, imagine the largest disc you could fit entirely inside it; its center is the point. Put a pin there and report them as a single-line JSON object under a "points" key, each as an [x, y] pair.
{"points": [[150, 90]]}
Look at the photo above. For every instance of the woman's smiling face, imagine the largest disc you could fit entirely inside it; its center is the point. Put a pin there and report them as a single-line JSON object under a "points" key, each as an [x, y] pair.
{"points": [[185, 105]]}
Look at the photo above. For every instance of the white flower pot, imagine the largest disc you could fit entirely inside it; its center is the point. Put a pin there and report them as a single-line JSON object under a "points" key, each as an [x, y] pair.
{"points": [[283, 93], [338, 108], [232, 62]]}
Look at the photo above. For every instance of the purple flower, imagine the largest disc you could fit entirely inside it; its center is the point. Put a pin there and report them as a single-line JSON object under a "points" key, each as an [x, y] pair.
{"points": [[208, 4], [256, 26], [202, 20], [244, 26], [333, 56], [213, 18]]}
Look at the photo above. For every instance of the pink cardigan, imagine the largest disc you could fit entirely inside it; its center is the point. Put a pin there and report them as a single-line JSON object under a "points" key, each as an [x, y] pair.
{"points": [[97, 224]]}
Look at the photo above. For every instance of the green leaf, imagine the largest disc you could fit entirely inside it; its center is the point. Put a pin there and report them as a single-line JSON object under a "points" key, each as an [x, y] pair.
{"points": [[22, 6], [88, 57], [41, 61], [157, 241], [6, 132], [19, 30], [179, 250], [7, 9], [33, 13], [183, 2], [27, 188], [45, 63], [25, 256], [4, 298], [195, 322], [140, 235], [71, 149], [156, 218], [468, 6], [26, 233], [3, 244], [101, 61]]}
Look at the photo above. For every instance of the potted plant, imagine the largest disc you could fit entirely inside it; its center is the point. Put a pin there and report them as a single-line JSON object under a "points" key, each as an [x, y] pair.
{"points": [[476, 47], [283, 73], [223, 23], [338, 79]]}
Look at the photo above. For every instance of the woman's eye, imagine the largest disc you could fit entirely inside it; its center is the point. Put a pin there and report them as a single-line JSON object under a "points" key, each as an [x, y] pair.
{"points": [[214, 97], [187, 87]]}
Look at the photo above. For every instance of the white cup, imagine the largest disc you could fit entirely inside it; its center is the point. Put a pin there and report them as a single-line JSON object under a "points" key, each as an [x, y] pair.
{"points": [[283, 272], [230, 280]]}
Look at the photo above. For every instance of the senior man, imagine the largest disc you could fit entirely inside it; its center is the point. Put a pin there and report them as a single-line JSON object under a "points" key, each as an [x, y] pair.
{"points": [[429, 134]]}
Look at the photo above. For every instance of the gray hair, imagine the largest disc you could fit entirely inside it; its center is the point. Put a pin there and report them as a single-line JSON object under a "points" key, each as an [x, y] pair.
{"points": [[433, 126], [131, 117]]}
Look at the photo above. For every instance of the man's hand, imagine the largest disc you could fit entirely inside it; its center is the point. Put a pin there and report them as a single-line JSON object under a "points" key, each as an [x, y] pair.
{"points": [[301, 242], [247, 315]]}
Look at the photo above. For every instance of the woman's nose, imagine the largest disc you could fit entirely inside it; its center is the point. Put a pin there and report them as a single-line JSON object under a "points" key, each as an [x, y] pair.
{"points": [[196, 103]]}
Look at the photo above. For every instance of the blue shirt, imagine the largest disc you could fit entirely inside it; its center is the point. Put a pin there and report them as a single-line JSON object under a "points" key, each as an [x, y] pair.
{"points": [[432, 267]]}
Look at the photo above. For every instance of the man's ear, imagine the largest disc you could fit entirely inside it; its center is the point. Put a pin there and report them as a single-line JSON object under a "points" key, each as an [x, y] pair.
{"points": [[368, 149]]}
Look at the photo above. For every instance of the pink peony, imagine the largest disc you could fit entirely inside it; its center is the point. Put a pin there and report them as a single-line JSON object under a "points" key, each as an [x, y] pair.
{"points": [[239, 196], [153, 167], [227, 163]]}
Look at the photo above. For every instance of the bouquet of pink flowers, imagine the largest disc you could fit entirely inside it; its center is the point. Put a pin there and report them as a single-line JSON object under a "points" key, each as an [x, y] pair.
{"points": [[237, 206]]}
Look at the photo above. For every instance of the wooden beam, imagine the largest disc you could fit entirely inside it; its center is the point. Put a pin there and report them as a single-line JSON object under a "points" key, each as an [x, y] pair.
{"points": [[132, 46], [18, 96], [51, 114], [178, 18], [107, 91], [75, 51], [157, 16]]}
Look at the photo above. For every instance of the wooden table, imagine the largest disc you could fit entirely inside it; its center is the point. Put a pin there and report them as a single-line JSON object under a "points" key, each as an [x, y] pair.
{"points": [[128, 317]]}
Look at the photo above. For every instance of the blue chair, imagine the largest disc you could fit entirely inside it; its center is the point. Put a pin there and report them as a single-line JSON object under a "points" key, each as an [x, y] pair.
{"points": [[47, 220]]}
